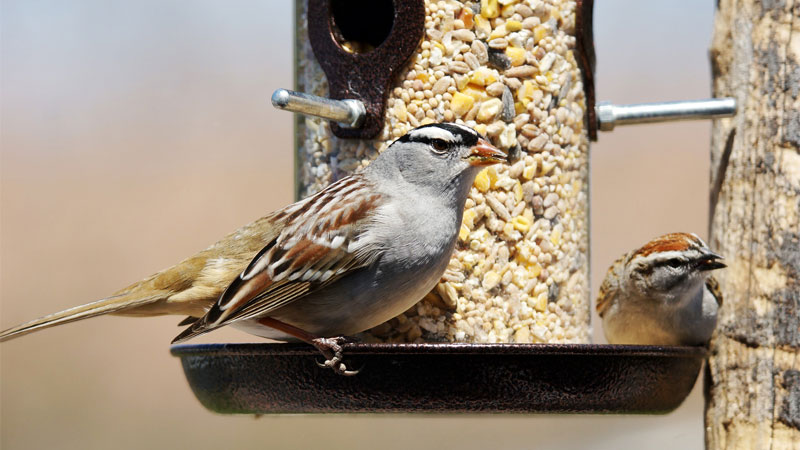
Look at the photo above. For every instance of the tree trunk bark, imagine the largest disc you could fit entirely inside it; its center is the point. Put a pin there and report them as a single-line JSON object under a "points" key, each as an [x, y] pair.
{"points": [[753, 378]]}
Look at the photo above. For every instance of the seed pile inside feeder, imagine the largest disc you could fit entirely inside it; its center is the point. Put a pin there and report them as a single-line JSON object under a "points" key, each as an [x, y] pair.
{"points": [[506, 68]]}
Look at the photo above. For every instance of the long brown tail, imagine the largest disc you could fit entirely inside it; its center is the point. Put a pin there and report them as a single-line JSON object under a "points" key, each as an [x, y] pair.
{"points": [[107, 305]]}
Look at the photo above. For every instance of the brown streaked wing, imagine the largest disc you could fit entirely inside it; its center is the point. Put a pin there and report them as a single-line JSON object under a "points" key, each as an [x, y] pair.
{"points": [[603, 298], [289, 268], [713, 285], [608, 289]]}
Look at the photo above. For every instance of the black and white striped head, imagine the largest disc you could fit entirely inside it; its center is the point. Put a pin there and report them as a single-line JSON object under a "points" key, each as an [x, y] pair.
{"points": [[671, 265], [439, 155]]}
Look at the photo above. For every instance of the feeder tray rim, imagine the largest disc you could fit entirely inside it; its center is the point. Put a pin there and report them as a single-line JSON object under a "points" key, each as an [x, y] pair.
{"points": [[434, 348]]}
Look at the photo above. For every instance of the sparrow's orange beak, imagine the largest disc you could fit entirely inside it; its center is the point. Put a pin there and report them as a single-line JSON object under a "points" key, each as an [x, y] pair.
{"points": [[485, 154]]}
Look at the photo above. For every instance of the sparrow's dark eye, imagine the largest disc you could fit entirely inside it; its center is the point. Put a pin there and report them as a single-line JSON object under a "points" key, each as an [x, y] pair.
{"points": [[439, 145], [674, 263]]}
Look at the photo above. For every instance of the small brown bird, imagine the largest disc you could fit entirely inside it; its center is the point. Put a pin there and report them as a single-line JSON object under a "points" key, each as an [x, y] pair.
{"points": [[662, 293], [346, 259]]}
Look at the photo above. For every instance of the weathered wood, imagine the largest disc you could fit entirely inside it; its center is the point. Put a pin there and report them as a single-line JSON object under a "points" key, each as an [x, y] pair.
{"points": [[753, 379]]}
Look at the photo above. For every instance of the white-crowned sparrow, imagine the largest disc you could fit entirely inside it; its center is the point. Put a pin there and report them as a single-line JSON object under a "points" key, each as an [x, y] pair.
{"points": [[346, 259], [662, 293]]}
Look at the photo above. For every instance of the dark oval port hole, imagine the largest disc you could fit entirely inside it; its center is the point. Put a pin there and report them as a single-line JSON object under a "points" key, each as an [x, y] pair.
{"points": [[359, 26]]}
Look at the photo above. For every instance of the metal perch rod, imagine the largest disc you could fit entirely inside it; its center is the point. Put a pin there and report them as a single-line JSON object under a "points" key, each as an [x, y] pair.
{"points": [[609, 115], [349, 113]]}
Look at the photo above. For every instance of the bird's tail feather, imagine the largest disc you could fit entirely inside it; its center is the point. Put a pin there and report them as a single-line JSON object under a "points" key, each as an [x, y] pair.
{"points": [[195, 329], [107, 305]]}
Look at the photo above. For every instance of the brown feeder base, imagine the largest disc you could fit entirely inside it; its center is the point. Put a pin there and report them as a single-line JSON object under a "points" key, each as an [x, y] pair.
{"points": [[444, 378]]}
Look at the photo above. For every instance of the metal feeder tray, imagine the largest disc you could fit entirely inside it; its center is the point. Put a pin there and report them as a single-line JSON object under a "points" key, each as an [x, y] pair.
{"points": [[443, 378]]}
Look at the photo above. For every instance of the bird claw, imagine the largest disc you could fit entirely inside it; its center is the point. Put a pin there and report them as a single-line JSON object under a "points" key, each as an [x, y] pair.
{"points": [[331, 349], [338, 367]]}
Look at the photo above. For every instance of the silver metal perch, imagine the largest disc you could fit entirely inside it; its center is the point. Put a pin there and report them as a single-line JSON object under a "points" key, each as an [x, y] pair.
{"points": [[348, 113], [609, 115]]}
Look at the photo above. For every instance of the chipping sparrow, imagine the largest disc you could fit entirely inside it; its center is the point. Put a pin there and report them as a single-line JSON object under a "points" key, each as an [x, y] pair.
{"points": [[346, 259], [662, 293]]}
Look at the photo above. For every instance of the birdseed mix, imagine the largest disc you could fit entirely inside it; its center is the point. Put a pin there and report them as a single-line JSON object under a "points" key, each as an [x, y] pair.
{"points": [[508, 69]]}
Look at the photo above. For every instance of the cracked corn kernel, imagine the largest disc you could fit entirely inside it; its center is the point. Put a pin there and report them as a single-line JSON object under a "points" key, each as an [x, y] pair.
{"points": [[516, 55], [529, 172], [475, 91], [463, 233], [539, 33], [490, 9], [508, 229], [522, 335], [521, 223], [539, 333], [482, 181], [400, 110], [492, 172], [541, 302], [547, 166], [555, 237], [490, 109], [526, 92], [490, 280], [518, 191], [466, 17], [513, 25], [482, 26], [483, 76], [523, 254], [461, 103], [461, 81], [498, 32], [469, 217]]}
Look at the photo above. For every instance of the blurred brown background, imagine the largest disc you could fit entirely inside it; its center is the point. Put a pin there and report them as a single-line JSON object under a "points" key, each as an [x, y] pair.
{"points": [[133, 134]]}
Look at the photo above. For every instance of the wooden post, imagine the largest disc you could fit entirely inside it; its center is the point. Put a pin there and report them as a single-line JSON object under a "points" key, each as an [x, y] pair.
{"points": [[753, 379]]}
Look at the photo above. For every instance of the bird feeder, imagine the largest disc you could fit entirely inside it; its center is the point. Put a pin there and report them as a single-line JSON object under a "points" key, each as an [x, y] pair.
{"points": [[512, 71], [508, 326]]}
